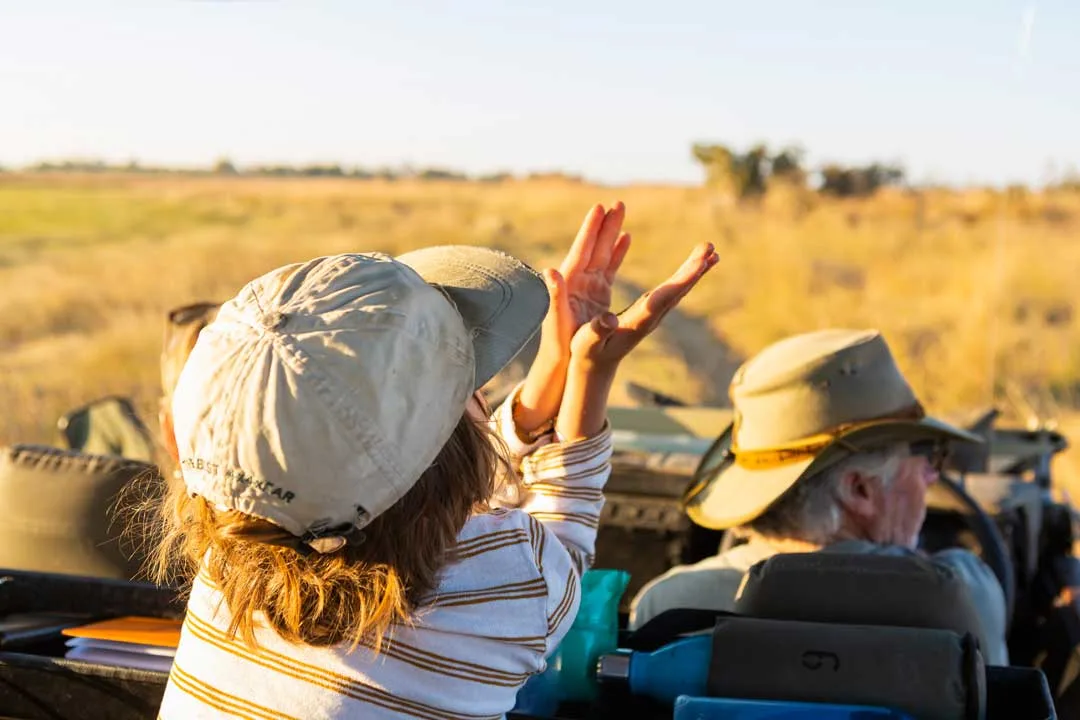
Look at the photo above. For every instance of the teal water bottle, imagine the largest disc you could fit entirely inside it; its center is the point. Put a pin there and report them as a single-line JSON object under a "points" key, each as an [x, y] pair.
{"points": [[571, 672]]}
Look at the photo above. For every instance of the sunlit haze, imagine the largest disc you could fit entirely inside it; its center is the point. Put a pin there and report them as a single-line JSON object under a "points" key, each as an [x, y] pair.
{"points": [[957, 92]]}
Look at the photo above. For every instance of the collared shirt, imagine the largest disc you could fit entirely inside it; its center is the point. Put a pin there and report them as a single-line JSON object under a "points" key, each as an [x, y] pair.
{"points": [[497, 612], [713, 583]]}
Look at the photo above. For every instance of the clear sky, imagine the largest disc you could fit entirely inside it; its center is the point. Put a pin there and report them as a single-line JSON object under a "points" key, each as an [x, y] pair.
{"points": [[957, 90]]}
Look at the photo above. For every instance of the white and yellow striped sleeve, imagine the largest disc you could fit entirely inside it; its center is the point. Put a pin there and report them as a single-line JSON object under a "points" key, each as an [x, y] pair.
{"points": [[563, 498], [563, 481], [563, 486]]}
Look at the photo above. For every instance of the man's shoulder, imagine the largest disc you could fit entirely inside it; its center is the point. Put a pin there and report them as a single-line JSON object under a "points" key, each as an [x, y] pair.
{"points": [[965, 565], [710, 584], [955, 557], [864, 547], [736, 560]]}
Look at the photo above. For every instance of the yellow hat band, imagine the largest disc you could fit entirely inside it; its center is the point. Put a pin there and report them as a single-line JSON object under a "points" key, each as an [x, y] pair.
{"points": [[811, 447]]}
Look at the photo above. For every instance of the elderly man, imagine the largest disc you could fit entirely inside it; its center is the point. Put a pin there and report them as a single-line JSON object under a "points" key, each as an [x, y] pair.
{"points": [[829, 449]]}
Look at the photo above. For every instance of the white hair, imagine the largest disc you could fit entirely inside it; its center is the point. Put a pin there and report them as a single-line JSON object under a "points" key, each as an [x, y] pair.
{"points": [[810, 510]]}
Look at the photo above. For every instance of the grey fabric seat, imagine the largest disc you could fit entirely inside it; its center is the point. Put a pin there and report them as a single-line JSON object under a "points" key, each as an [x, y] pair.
{"points": [[929, 673], [57, 512], [859, 589]]}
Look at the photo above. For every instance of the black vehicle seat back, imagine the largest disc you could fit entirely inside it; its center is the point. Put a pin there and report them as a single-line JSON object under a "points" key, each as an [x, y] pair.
{"points": [[928, 673], [107, 426], [861, 589], [57, 512]]}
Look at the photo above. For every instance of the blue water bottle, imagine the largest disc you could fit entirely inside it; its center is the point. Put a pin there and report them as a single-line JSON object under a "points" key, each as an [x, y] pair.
{"points": [[679, 668]]}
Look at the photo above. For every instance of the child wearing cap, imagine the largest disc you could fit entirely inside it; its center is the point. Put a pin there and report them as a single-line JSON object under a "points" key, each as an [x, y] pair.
{"points": [[338, 468]]}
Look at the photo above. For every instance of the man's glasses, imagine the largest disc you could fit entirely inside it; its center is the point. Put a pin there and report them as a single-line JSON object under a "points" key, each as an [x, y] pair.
{"points": [[936, 452]]}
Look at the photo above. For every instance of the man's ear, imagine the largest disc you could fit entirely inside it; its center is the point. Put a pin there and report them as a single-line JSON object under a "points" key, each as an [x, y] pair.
{"points": [[860, 494]]}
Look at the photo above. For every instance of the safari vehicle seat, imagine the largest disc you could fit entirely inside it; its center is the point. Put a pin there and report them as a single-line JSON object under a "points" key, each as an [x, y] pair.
{"points": [[923, 673], [57, 511], [860, 589], [876, 631], [107, 426]]}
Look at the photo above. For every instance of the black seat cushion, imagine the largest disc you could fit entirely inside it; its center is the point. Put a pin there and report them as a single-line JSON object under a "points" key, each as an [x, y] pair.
{"points": [[57, 512], [858, 588]]}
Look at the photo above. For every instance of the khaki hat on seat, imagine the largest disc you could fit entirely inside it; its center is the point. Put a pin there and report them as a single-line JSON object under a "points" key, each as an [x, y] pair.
{"points": [[800, 406], [182, 328]]}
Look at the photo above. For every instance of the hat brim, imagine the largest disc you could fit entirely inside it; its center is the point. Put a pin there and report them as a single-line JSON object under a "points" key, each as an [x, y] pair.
{"points": [[728, 495], [182, 328], [501, 299]]}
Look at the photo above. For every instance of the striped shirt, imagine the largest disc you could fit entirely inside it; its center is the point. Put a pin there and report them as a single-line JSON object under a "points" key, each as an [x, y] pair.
{"points": [[500, 608]]}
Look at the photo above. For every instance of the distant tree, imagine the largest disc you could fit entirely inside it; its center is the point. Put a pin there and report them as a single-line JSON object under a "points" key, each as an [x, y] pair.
{"points": [[224, 166], [788, 165], [718, 163], [734, 175], [85, 166], [555, 175], [323, 171], [752, 170], [441, 174], [844, 181]]}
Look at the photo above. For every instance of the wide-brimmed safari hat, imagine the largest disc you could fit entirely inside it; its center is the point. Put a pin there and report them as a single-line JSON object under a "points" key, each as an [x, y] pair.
{"points": [[319, 395], [182, 327], [800, 406]]}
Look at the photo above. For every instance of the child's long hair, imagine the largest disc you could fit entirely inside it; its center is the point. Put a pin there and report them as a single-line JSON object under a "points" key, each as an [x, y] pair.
{"points": [[354, 594]]}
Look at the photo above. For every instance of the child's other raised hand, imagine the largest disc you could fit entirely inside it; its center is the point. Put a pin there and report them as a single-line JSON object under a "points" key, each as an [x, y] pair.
{"points": [[580, 290], [608, 338], [600, 345]]}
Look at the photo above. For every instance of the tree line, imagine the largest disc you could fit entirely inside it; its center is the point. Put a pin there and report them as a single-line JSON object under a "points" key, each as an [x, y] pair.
{"points": [[741, 175], [747, 174], [750, 173], [226, 167]]}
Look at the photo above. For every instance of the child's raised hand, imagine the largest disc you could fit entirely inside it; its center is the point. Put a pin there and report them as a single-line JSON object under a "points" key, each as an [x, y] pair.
{"points": [[607, 339], [600, 345], [580, 289]]}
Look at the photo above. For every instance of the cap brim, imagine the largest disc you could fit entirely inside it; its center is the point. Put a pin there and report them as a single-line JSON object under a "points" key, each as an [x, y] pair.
{"points": [[501, 299], [730, 495]]}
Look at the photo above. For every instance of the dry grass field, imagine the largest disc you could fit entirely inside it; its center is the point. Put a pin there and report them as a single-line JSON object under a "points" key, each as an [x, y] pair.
{"points": [[975, 290]]}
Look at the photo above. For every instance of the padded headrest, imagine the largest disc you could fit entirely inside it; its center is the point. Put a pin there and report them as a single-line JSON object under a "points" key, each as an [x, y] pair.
{"points": [[930, 674], [859, 588], [107, 426], [56, 512]]}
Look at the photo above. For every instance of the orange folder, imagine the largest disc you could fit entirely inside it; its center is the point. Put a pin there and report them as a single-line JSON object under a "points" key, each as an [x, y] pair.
{"points": [[142, 630]]}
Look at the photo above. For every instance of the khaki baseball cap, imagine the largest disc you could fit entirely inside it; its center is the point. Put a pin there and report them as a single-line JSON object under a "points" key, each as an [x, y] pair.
{"points": [[800, 406], [320, 393]]}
